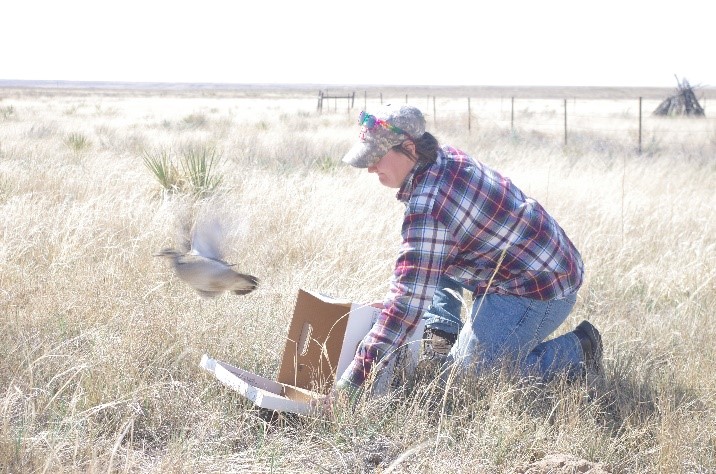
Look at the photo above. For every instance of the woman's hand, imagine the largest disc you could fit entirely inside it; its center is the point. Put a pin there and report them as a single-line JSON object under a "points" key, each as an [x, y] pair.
{"points": [[335, 402], [324, 406]]}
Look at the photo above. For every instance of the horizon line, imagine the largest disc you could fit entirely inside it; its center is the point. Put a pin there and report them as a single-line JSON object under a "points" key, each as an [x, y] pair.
{"points": [[68, 83]]}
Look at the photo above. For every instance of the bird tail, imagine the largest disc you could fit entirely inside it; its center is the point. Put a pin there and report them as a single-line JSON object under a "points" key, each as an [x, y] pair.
{"points": [[250, 281]]}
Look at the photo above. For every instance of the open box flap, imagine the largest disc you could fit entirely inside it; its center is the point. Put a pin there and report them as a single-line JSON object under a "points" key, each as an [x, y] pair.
{"points": [[261, 391], [314, 341]]}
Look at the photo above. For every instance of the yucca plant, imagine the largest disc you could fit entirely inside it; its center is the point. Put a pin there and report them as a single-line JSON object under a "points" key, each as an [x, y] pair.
{"points": [[198, 163], [77, 142], [194, 121], [7, 112], [327, 164], [161, 166]]}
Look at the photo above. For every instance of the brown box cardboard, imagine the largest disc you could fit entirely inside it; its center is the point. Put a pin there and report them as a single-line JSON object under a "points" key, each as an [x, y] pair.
{"points": [[322, 340]]}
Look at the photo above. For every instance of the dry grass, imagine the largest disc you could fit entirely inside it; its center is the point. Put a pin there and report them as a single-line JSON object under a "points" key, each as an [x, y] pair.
{"points": [[100, 343]]}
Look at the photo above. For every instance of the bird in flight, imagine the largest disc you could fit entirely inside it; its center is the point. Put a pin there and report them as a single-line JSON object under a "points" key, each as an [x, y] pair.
{"points": [[203, 266]]}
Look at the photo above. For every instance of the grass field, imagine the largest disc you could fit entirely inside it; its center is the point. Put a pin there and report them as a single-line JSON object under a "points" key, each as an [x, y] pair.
{"points": [[100, 342]]}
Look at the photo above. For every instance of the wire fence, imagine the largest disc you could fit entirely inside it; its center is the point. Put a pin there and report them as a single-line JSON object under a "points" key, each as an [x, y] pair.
{"points": [[627, 121]]}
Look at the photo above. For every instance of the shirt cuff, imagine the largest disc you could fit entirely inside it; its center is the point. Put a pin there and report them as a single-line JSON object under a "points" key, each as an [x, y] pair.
{"points": [[349, 388]]}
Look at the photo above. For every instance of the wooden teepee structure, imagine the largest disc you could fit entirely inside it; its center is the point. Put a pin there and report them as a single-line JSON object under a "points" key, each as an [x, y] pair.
{"points": [[684, 102]]}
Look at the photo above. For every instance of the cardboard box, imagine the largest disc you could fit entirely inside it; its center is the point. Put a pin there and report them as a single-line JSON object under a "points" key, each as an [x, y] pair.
{"points": [[322, 340]]}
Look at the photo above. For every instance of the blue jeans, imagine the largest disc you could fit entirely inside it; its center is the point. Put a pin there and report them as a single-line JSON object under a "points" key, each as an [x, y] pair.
{"points": [[444, 311], [509, 329]]}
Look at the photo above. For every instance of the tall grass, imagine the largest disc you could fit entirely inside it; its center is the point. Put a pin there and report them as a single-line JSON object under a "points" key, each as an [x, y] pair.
{"points": [[99, 343]]}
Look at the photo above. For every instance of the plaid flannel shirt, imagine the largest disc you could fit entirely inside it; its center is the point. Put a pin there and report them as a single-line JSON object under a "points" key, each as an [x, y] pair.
{"points": [[461, 218]]}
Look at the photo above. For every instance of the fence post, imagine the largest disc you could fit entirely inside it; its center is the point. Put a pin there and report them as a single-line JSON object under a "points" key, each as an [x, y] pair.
{"points": [[406, 98], [381, 98], [435, 115], [565, 122], [512, 116], [469, 116], [365, 100], [640, 125]]}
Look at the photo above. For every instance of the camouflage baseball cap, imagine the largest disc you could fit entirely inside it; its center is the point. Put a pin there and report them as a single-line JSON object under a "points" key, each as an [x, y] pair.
{"points": [[391, 126]]}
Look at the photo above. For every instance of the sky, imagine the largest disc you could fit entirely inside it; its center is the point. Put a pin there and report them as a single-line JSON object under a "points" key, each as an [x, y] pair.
{"points": [[441, 42]]}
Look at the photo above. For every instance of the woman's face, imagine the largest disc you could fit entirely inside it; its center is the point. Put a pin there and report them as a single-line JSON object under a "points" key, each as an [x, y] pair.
{"points": [[392, 169]]}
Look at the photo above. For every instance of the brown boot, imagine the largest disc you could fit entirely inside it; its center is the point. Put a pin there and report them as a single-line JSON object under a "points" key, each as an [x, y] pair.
{"points": [[436, 347], [591, 342], [438, 343]]}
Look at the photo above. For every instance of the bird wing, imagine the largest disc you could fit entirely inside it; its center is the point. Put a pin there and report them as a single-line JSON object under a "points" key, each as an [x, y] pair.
{"points": [[206, 239], [204, 274]]}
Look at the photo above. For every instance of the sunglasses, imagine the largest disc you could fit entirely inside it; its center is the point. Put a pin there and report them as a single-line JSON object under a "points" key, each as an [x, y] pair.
{"points": [[371, 122]]}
